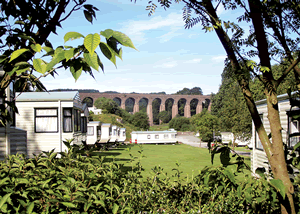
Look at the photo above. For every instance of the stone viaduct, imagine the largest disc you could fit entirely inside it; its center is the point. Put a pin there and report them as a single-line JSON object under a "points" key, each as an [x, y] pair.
{"points": [[136, 97]]}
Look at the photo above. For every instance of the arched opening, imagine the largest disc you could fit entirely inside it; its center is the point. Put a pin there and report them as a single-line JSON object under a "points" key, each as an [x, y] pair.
{"points": [[89, 101], [129, 104], [143, 103], [181, 105], [118, 101], [193, 106], [168, 108], [205, 103], [155, 110]]}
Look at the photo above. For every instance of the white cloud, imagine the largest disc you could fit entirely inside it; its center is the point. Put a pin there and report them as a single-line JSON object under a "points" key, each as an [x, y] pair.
{"points": [[218, 59], [194, 60], [137, 30], [171, 64]]}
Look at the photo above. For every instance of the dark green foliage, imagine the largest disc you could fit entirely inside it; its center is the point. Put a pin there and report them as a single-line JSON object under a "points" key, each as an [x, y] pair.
{"points": [[193, 91], [180, 124], [140, 120], [107, 105], [165, 116], [79, 183]]}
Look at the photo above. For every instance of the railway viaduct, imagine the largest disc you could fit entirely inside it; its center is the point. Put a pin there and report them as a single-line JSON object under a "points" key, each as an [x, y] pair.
{"points": [[136, 97]]}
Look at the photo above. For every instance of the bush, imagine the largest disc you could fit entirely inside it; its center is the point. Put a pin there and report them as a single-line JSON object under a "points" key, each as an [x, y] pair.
{"points": [[82, 182], [180, 124]]}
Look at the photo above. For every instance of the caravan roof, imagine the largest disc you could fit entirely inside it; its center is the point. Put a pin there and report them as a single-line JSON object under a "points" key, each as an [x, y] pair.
{"points": [[48, 96]]}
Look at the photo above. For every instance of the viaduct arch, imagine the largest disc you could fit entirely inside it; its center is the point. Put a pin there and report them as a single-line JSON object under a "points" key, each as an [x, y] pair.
{"points": [[150, 97]]}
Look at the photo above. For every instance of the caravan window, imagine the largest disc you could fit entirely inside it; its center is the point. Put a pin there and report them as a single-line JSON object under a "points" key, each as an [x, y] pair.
{"points": [[77, 120], [293, 127], [83, 124], [90, 130], [67, 120], [46, 120]]}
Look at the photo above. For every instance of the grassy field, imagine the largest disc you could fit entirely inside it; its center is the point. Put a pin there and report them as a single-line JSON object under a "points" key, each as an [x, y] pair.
{"points": [[191, 159], [161, 127]]}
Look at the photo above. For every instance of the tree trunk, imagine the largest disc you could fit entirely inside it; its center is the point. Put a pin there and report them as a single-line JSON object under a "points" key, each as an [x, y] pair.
{"points": [[274, 150]]}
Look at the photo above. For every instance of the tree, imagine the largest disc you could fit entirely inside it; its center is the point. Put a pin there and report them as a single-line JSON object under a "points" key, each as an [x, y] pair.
{"points": [[180, 123], [24, 31], [140, 120], [108, 106], [206, 124], [274, 34], [229, 106], [165, 116]]}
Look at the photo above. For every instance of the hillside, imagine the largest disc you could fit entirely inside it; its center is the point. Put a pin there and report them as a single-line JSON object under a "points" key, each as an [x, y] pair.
{"points": [[111, 118]]}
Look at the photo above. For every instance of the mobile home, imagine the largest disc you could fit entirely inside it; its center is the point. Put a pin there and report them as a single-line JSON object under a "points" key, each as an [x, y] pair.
{"points": [[93, 132], [50, 118], [122, 135], [12, 140], [289, 123], [141, 137], [114, 134], [106, 129]]}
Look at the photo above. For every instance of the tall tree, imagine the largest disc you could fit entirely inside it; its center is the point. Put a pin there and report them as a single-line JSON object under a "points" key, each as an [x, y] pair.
{"points": [[230, 107], [274, 34]]}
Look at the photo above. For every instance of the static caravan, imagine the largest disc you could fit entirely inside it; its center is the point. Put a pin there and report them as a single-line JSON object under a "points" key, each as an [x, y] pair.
{"points": [[168, 136], [93, 132], [289, 123], [106, 130], [114, 134], [50, 118], [228, 137], [12, 140], [122, 134]]}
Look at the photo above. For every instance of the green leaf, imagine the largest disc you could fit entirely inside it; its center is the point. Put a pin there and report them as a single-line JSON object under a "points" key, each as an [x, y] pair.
{"points": [[76, 72], [68, 204], [100, 202], [106, 50], [297, 145], [279, 186], [36, 47], [88, 16], [30, 208], [225, 156], [91, 42], [17, 53], [39, 65], [115, 208], [72, 36], [4, 199], [260, 171], [107, 33], [48, 49], [123, 39], [69, 54], [92, 60]]}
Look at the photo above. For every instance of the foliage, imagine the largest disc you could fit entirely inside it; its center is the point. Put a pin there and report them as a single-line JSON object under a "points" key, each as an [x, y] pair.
{"points": [[76, 183], [140, 120], [108, 106], [193, 91], [180, 123], [26, 26], [165, 116], [206, 124], [230, 107]]}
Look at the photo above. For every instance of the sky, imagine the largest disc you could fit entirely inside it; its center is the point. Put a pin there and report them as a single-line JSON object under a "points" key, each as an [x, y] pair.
{"points": [[168, 59]]}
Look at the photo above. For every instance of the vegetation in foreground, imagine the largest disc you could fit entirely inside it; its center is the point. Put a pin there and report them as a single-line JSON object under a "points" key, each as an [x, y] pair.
{"points": [[80, 182]]}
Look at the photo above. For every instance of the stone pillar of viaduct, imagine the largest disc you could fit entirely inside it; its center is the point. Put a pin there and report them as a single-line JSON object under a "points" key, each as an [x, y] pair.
{"points": [[150, 97]]}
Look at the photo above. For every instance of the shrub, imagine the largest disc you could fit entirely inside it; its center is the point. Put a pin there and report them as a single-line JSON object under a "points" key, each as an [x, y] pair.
{"points": [[82, 182], [180, 124]]}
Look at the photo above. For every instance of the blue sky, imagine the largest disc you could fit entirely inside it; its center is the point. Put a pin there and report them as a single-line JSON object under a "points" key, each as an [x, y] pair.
{"points": [[168, 59]]}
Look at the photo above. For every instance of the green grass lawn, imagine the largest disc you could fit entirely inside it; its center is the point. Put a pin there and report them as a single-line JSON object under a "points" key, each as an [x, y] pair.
{"points": [[161, 127], [191, 159]]}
